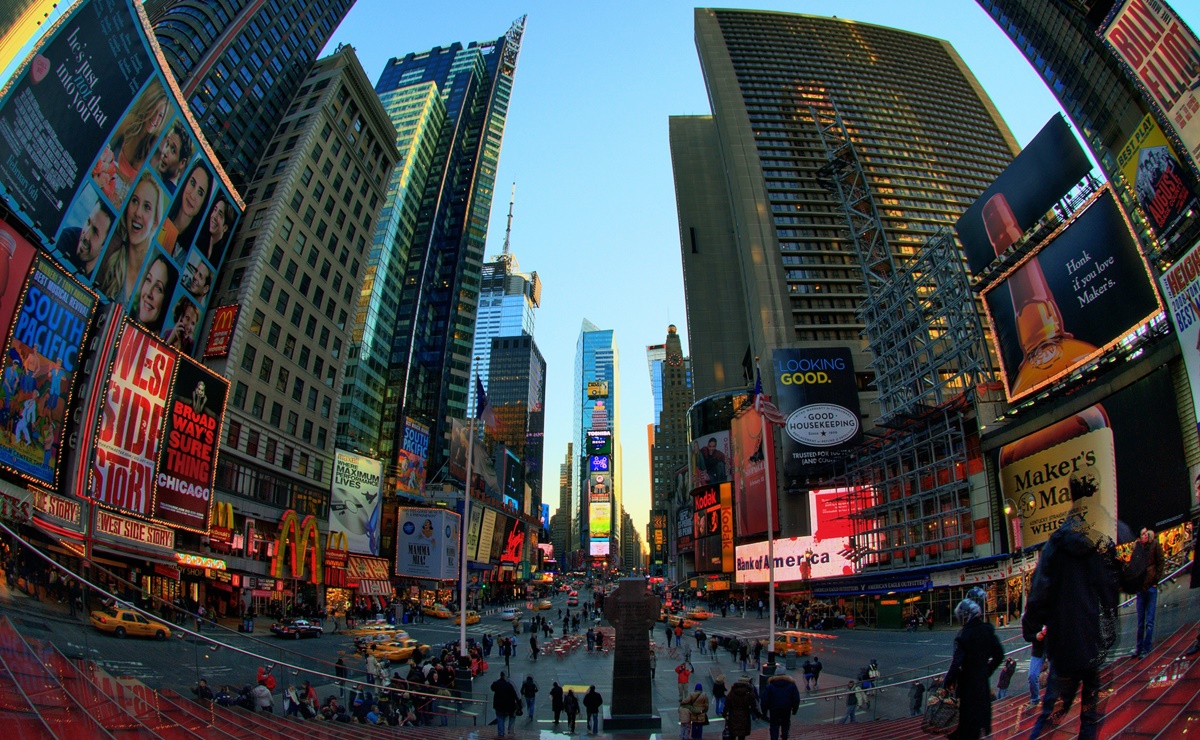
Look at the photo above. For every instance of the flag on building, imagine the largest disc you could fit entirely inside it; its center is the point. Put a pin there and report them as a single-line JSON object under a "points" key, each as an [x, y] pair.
{"points": [[763, 405], [483, 407]]}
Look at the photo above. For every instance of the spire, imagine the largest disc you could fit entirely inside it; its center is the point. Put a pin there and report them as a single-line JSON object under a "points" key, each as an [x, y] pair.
{"points": [[508, 229]]}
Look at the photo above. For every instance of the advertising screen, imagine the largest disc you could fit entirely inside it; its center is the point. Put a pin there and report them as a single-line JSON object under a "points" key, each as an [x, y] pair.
{"points": [[16, 258], [1041, 174], [545, 516], [100, 157], [487, 533], [427, 543], [1082, 290], [514, 542], [711, 459], [683, 530], [598, 463], [483, 476], [599, 548], [713, 527], [187, 463], [220, 334], [499, 536], [410, 473], [1119, 462], [131, 422], [1163, 55], [600, 519], [1151, 167], [354, 505], [658, 536], [1181, 289], [819, 396], [830, 510], [42, 359], [473, 532], [416, 438], [750, 463], [796, 559], [599, 443]]}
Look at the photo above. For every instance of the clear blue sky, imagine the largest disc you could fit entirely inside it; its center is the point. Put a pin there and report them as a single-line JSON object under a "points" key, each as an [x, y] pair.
{"points": [[587, 145]]}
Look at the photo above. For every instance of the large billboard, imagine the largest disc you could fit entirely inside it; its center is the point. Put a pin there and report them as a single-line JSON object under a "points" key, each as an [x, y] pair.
{"points": [[487, 532], [41, 360], [752, 494], [1163, 55], [1181, 289], [354, 506], [483, 473], [131, 422], [473, 527], [514, 542], [1152, 170], [711, 459], [796, 559], [187, 464], [713, 528], [1041, 174], [819, 396], [684, 539], [101, 158], [220, 334], [658, 536], [1081, 291], [427, 543], [1119, 462]]}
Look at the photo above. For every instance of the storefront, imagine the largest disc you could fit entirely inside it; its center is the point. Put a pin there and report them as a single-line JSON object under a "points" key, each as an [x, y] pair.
{"points": [[370, 580]]}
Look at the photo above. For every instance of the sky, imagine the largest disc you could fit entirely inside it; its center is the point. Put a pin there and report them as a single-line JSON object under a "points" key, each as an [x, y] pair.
{"points": [[586, 144]]}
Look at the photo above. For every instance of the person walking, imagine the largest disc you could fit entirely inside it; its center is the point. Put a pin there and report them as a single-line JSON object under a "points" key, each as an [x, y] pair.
{"points": [[695, 709], [780, 701], [678, 635], [807, 669], [505, 703], [1005, 677], [851, 703], [1037, 657], [916, 699], [1074, 593], [506, 650], [1146, 568], [571, 707], [556, 702], [533, 646], [592, 701], [817, 673], [653, 664], [743, 654], [718, 693], [529, 690], [683, 673], [760, 608], [740, 707], [339, 669], [977, 654]]}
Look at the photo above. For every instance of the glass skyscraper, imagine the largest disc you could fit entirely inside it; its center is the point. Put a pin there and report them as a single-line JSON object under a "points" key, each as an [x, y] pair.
{"points": [[596, 409], [239, 63], [508, 302]]}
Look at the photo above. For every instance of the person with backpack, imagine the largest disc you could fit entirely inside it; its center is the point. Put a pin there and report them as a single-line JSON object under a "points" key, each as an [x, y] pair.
{"points": [[571, 707], [529, 690], [592, 701]]}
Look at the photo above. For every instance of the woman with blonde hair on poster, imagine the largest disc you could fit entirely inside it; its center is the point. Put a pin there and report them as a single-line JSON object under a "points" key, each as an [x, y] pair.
{"points": [[131, 143], [118, 275]]}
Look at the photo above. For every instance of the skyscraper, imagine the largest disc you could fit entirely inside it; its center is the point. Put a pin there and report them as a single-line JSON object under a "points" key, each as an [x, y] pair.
{"points": [[239, 63], [561, 529], [517, 392], [671, 378], [596, 429], [429, 367], [295, 268], [767, 262]]}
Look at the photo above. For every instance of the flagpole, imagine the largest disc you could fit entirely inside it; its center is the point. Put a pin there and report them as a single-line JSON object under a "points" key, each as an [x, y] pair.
{"points": [[462, 555], [768, 463]]}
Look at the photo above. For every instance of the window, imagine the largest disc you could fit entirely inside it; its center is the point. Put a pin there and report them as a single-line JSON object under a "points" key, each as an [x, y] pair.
{"points": [[354, 269], [252, 444], [297, 201], [311, 328], [268, 287], [273, 335], [325, 269], [318, 366], [276, 414], [303, 360], [271, 447], [309, 214], [312, 257], [264, 371], [248, 358], [289, 347], [306, 435], [281, 380], [307, 176], [300, 243], [235, 434], [290, 274], [239, 395], [302, 465], [235, 280], [259, 401], [321, 440], [305, 284], [337, 344], [290, 145], [268, 191], [292, 421], [276, 259], [312, 398], [325, 407], [330, 375], [280, 166], [321, 229], [297, 388], [341, 323], [281, 303], [324, 336], [318, 192], [297, 314]]}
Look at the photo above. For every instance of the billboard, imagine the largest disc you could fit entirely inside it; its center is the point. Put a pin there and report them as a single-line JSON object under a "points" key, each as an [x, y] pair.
{"points": [[599, 463], [131, 422], [483, 473], [427, 543], [1073, 297], [16, 258], [599, 548], [514, 542], [41, 361], [1163, 55], [711, 460], [187, 463], [473, 528], [796, 559], [499, 537], [684, 538], [1120, 462], [658, 536], [819, 396], [220, 334], [830, 511], [410, 473], [599, 443], [1151, 168], [102, 158], [487, 533], [597, 389], [1041, 174], [751, 460], [1181, 288], [545, 516], [354, 505], [713, 528], [599, 519]]}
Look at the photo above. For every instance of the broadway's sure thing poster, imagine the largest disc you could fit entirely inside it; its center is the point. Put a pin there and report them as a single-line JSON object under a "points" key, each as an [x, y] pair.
{"points": [[187, 462], [131, 423], [1181, 289], [40, 367], [1152, 170], [354, 507], [427, 543], [819, 396]]}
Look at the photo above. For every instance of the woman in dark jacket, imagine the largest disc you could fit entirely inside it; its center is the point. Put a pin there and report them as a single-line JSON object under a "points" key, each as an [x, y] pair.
{"points": [[977, 654], [740, 705]]}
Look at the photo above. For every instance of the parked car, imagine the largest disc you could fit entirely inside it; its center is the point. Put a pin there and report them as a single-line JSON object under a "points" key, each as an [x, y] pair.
{"points": [[122, 622], [297, 628], [438, 610], [472, 617], [397, 650]]}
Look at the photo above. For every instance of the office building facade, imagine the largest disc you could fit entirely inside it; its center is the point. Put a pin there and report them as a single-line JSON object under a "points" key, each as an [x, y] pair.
{"points": [[296, 267], [561, 531], [239, 63], [767, 262], [508, 302], [517, 393]]}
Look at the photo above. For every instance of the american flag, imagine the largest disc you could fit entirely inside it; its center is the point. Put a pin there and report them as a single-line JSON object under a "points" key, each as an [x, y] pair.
{"points": [[763, 405]]}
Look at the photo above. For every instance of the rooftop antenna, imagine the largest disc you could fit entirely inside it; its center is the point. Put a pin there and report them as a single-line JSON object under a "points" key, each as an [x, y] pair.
{"points": [[504, 256]]}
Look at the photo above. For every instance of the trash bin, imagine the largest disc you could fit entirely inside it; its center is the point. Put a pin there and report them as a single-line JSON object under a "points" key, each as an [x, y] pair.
{"points": [[789, 660]]}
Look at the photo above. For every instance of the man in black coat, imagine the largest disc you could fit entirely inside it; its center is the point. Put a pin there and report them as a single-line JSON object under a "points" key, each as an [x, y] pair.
{"points": [[1074, 593], [780, 700], [505, 702], [977, 654], [592, 701], [556, 701]]}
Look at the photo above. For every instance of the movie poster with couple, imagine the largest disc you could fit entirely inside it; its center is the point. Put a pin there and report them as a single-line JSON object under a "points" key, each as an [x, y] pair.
{"points": [[102, 159]]}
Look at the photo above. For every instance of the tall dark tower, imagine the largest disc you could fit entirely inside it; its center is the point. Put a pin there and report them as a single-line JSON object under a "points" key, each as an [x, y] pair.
{"points": [[430, 364], [239, 64]]}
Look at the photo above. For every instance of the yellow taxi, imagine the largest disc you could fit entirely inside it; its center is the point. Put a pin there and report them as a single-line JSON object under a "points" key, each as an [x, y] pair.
{"points": [[698, 613], [370, 627], [797, 641], [681, 621], [122, 622], [472, 617], [543, 604], [437, 610], [362, 641], [397, 650]]}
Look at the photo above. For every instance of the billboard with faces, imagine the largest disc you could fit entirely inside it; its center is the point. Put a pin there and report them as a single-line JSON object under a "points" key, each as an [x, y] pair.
{"points": [[102, 160]]}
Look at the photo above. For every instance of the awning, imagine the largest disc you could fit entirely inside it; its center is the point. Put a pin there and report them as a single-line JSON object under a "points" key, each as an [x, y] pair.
{"points": [[363, 567], [374, 588]]}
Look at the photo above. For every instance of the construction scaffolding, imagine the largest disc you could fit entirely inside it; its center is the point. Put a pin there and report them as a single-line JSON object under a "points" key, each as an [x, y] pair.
{"points": [[909, 491]]}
